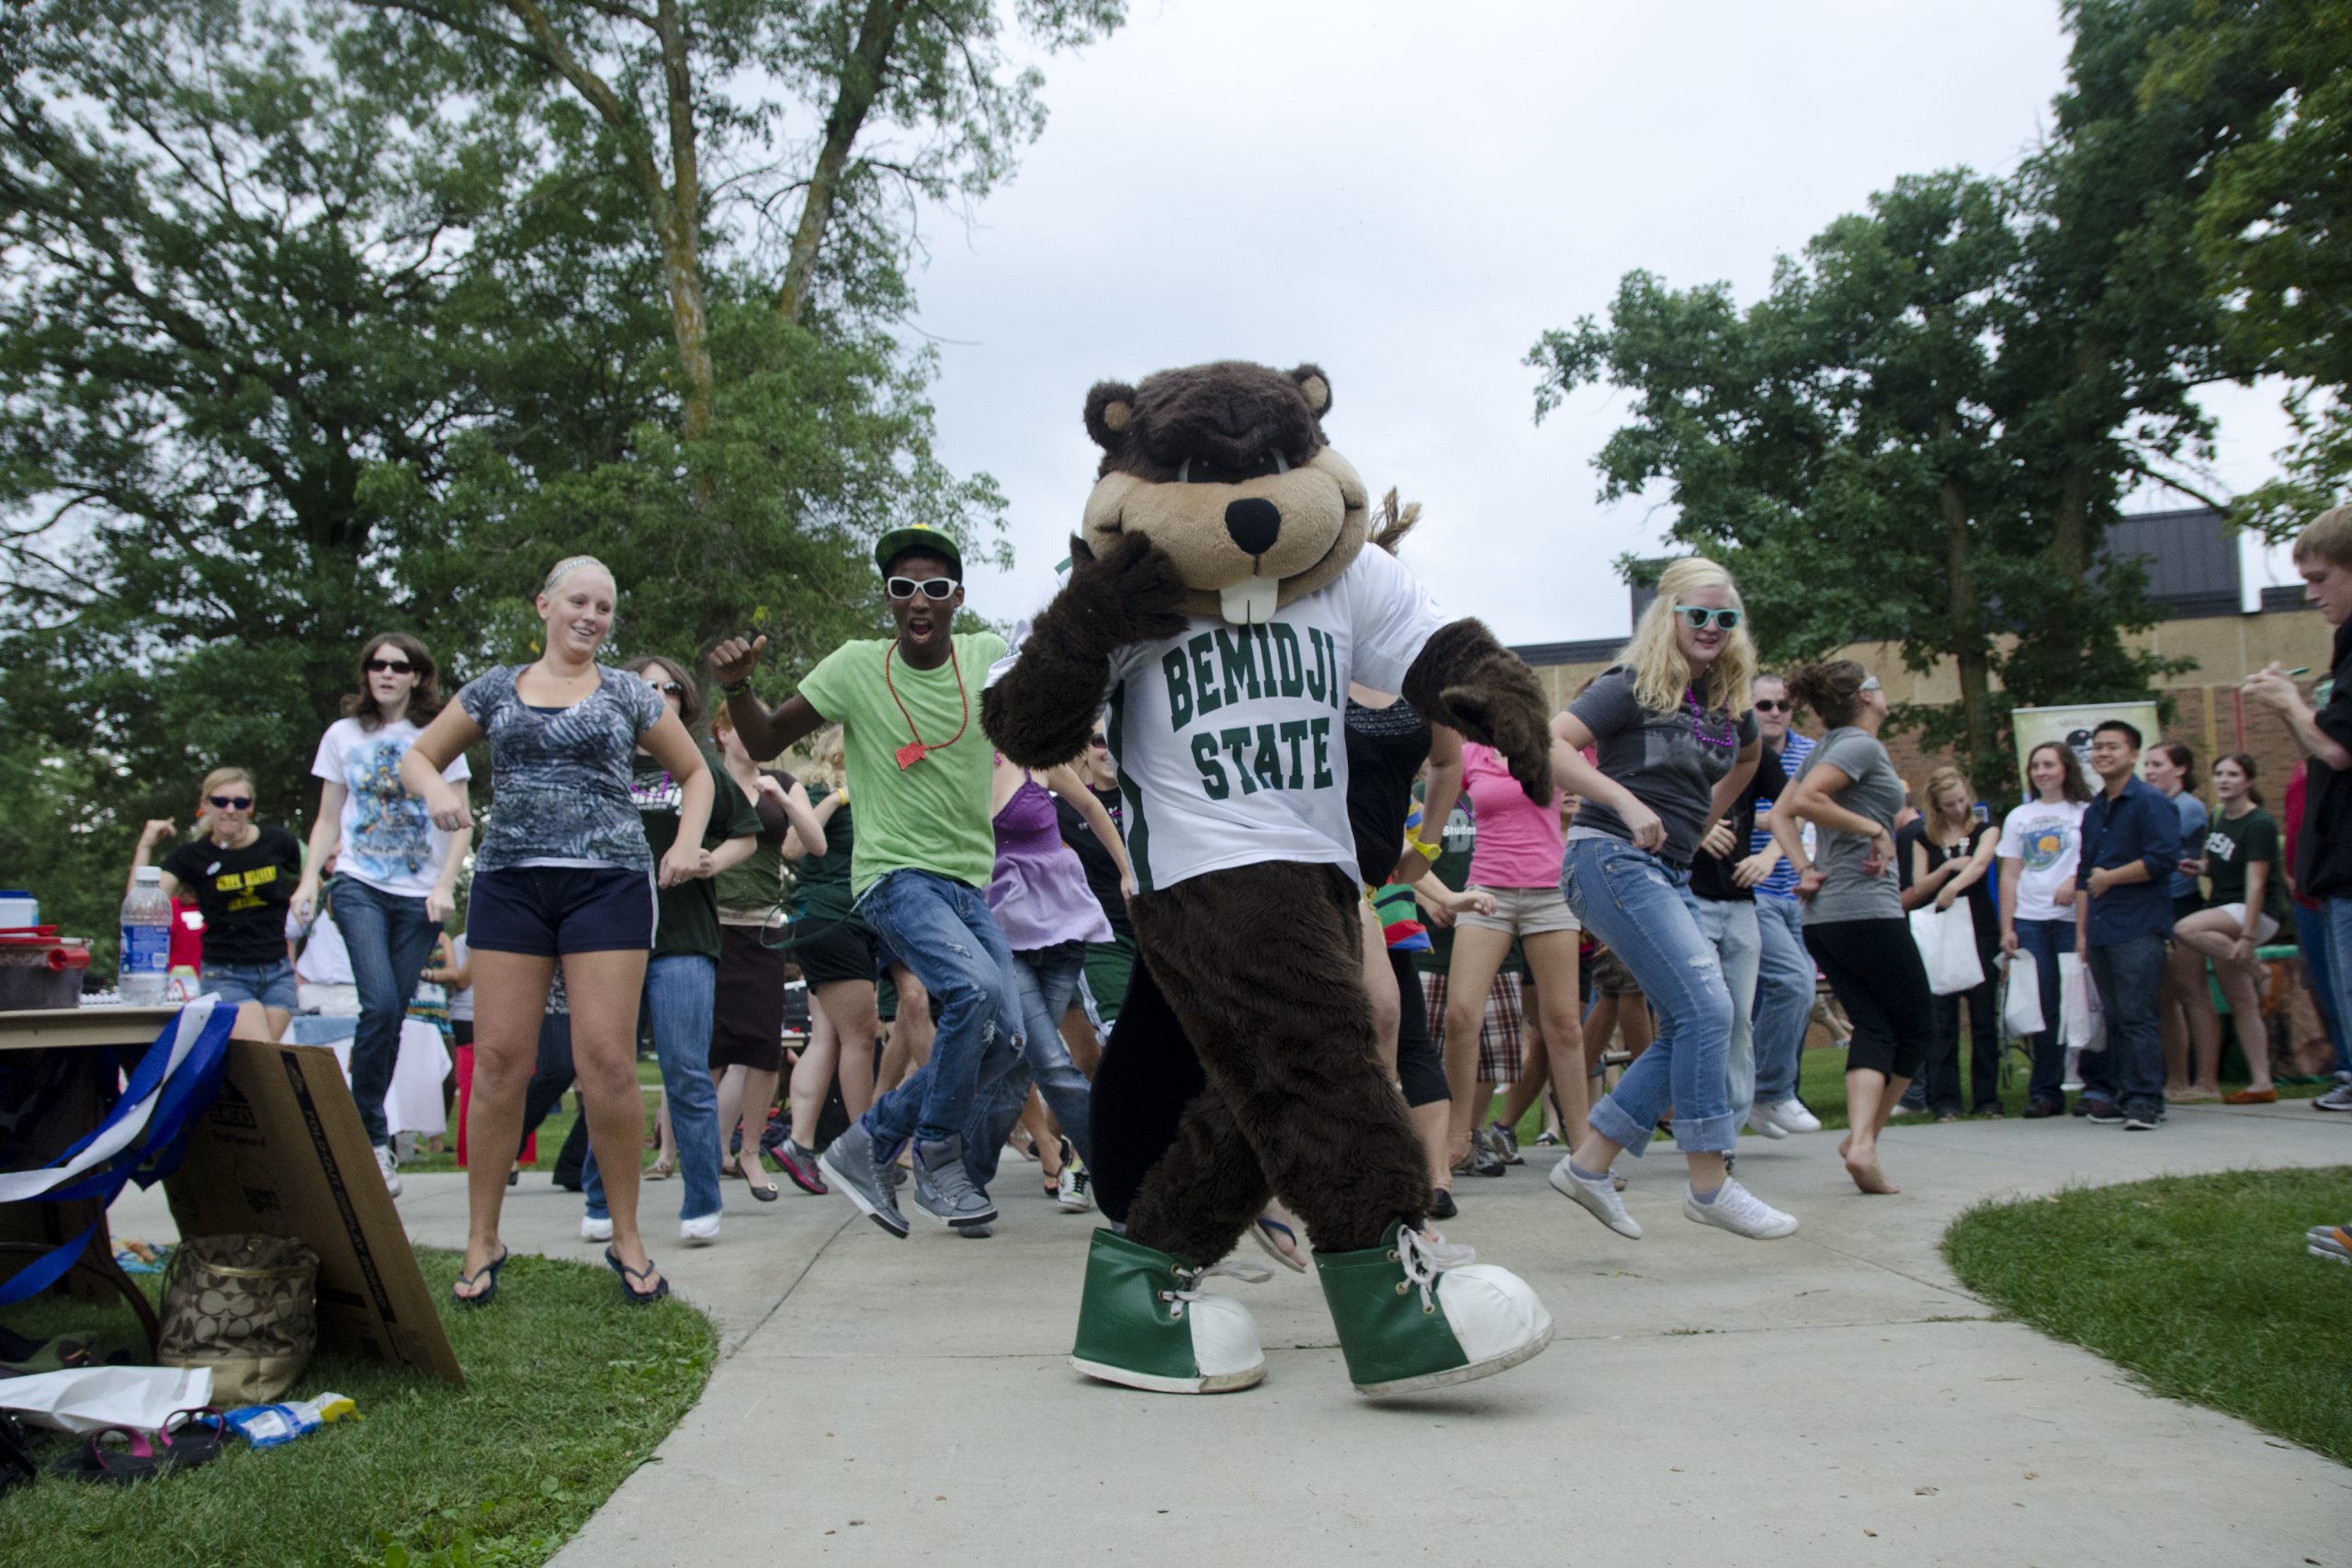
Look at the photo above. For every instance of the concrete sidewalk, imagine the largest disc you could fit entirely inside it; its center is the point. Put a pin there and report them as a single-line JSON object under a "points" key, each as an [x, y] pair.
{"points": [[1832, 1398]]}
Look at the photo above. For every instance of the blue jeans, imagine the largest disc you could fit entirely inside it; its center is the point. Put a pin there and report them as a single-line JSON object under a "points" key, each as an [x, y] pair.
{"points": [[2047, 940], [2129, 975], [1645, 910], [679, 992], [943, 931], [2338, 915], [391, 939], [2313, 935], [1732, 927], [1048, 977], [1784, 992]]}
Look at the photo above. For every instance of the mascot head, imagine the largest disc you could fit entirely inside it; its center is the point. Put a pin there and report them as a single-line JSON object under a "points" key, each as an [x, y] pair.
{"points": [[1225, 468]]}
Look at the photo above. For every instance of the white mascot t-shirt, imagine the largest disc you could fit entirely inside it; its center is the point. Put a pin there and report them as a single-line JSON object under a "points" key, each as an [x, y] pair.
{"points": [[1231, 742]]}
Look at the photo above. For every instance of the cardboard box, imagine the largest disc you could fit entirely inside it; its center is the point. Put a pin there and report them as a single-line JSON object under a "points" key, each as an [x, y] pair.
{"points": [[281, 1152]]}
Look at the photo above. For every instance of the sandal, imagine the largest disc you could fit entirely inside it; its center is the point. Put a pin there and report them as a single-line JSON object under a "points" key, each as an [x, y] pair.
{"points": [[1280, 1242], [2252, 1097], [486, 1276], [194, 1437], [629, 1292], [136, 1460], [662, 1169]]}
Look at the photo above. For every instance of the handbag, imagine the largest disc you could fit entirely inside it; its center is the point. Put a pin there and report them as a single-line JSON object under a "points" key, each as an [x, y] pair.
{"points": [[2082, 1022], [2021, 996], [246, 1306], [1946, 941]]}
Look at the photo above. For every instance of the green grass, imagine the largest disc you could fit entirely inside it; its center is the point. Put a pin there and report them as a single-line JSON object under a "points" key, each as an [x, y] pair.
{"points": [[568, 1390], [2198, 1284]]}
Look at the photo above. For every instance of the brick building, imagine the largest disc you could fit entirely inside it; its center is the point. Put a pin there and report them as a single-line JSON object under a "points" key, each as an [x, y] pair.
{"points": [[2211, 615]]}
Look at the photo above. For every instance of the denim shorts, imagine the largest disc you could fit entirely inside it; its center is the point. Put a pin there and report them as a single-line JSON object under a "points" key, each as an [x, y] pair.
{"points": [[271, 985], [545, 910]]}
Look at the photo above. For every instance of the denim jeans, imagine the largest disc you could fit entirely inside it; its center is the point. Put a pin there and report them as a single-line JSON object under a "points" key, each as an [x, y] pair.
{"points": [[2313, 935], [2047, 940], [2129, 975], [678, 991], [391, 939], [1048, 977], [943, 931], [2338, 915], [1784, 992], [1645, 910], [1732, 927]]}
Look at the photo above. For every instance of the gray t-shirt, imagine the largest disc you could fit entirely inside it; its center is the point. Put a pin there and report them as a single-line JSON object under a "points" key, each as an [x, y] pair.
{"points": [[560, 780], [1672, 762], [1875, 792]]}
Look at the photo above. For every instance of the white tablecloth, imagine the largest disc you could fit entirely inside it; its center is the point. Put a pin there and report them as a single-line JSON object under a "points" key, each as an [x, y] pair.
{"points": [[413, 1102]]}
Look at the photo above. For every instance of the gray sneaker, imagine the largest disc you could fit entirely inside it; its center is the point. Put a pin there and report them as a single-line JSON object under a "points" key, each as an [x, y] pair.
{"points": [[849, 1160], [945, 1189], [2337, 1099]]}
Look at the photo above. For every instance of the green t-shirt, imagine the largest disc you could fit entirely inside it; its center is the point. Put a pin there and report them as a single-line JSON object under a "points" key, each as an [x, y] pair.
{"points": [[688, 913], [934, 814], [2233, 843], [824, 879]]}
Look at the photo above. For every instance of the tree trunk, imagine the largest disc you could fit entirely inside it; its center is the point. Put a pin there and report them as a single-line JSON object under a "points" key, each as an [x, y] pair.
{"points": [[861, 80], [1970, 654]]}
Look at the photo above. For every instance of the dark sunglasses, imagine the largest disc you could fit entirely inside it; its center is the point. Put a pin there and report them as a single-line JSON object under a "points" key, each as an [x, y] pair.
{"points": [[387, 667], [231, 802], [1766, 704], [930, 587], [1696, 616], [667, 688], [1097, 743]]}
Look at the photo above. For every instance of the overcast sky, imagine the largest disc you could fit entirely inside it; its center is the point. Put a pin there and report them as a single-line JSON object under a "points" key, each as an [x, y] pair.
{"points": [[1409, 195]]}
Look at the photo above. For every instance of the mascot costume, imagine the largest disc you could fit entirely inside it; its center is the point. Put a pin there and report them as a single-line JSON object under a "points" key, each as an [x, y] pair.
{"points": [[1220, 600]]}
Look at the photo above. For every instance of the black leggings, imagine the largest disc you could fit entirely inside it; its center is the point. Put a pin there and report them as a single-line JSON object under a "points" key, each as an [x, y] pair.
{"points": [[1419, 1066], [1876, 972]]}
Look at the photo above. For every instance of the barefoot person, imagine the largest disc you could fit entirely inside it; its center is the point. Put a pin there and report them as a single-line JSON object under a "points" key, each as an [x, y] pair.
{"points": [[1854, 925], [919, 769], [561, 878]]}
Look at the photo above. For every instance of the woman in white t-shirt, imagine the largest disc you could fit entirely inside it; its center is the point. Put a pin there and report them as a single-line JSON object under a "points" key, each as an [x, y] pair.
{"points": [[2039, 843], [395, 871]]}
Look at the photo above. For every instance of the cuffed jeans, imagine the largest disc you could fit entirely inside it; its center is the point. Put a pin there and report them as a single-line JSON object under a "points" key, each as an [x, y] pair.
{"points": [[1645, 910], [2313, 936], [943, 931], [1784, 992], [391, 939], [1732, 927], [2129, 975], [679, 995], [1048, 978], [2047, 940]]}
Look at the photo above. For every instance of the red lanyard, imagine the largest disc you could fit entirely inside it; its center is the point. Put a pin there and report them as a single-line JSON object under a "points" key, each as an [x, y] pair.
{"points": [[915, 751]]}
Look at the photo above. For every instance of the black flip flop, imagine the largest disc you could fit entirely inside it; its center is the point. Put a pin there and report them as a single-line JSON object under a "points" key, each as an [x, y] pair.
{"points": [[137, 1460], [489, 1271], [629, 1292], [195, 1436]]}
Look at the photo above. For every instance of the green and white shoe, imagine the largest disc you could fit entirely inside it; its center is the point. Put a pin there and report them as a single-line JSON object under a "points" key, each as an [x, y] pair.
{"points": [[1144, 1321], [1415, 1313]]}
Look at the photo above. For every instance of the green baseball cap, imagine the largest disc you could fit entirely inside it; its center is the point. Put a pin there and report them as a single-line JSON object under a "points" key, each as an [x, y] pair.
{"points": [[898, 541]]}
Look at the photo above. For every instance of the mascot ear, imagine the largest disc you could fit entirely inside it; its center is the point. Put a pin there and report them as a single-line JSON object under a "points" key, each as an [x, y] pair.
{"points": [[1109, 407], [1316, 386]]}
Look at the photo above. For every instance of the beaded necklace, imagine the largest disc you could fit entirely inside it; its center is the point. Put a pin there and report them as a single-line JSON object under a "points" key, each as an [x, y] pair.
{"points": [[1700, 731], [915, 751]]}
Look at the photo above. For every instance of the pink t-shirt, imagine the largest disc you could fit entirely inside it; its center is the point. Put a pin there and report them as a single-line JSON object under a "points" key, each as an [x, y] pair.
{"points": [[1519, 842]]}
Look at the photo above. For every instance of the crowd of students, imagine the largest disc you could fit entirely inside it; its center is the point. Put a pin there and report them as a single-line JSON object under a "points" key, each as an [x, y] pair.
{"points": [[966, 946]]}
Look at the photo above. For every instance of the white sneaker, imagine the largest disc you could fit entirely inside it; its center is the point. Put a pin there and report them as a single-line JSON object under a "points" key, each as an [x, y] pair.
{"points": [[594, 1229], [1790, 1116], [1077, 1192], [391, 1168], [1759, 1121], [702, 1229], [1737, 1210], [1600, 1196]]}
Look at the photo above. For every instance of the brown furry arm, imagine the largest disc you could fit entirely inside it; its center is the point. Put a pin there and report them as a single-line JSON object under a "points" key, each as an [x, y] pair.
{"points": [[1465, 678], [1040, 714]]}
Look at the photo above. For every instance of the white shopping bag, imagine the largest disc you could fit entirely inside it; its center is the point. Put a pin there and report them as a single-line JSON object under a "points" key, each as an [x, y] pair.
{"points": [[2082, 1022], [2021, 1004], [1947, 940], [87, 1399]]}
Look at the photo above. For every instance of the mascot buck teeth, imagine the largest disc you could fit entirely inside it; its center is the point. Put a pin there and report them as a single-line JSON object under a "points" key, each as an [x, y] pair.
{"points": [[1220, 601]]}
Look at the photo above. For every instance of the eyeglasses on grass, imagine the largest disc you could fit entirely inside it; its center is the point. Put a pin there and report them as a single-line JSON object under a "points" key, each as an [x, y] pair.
{"points": [[1698, 617], [932, 588]]}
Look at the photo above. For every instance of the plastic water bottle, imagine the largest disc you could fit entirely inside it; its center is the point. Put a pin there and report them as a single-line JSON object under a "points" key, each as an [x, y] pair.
{"points": [[146, 940]]}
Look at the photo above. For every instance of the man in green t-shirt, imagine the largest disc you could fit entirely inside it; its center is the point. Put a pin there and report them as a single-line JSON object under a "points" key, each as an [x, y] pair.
{"points": [[919, 767]]}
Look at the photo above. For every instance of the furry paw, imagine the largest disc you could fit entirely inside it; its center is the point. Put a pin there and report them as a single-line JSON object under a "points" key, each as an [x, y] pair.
{"points": [[1129, 594]]}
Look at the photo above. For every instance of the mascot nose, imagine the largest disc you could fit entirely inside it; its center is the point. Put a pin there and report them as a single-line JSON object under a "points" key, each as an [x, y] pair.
{"points": [[1254, 523]]}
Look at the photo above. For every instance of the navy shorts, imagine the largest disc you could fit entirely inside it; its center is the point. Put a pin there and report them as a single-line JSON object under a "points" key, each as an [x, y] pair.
{"points": [[545, 910]]}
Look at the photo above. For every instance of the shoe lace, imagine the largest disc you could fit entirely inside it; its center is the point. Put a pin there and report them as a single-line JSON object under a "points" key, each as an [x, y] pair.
{"points": [[1424, 1259], [1190, 1289]]}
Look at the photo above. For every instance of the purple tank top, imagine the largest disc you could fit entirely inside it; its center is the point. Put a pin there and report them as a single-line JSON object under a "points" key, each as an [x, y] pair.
{"points": [[1039, 892]]}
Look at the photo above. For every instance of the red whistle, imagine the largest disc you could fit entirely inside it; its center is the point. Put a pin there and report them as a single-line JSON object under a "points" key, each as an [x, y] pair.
{"points": [[913, 752]]}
